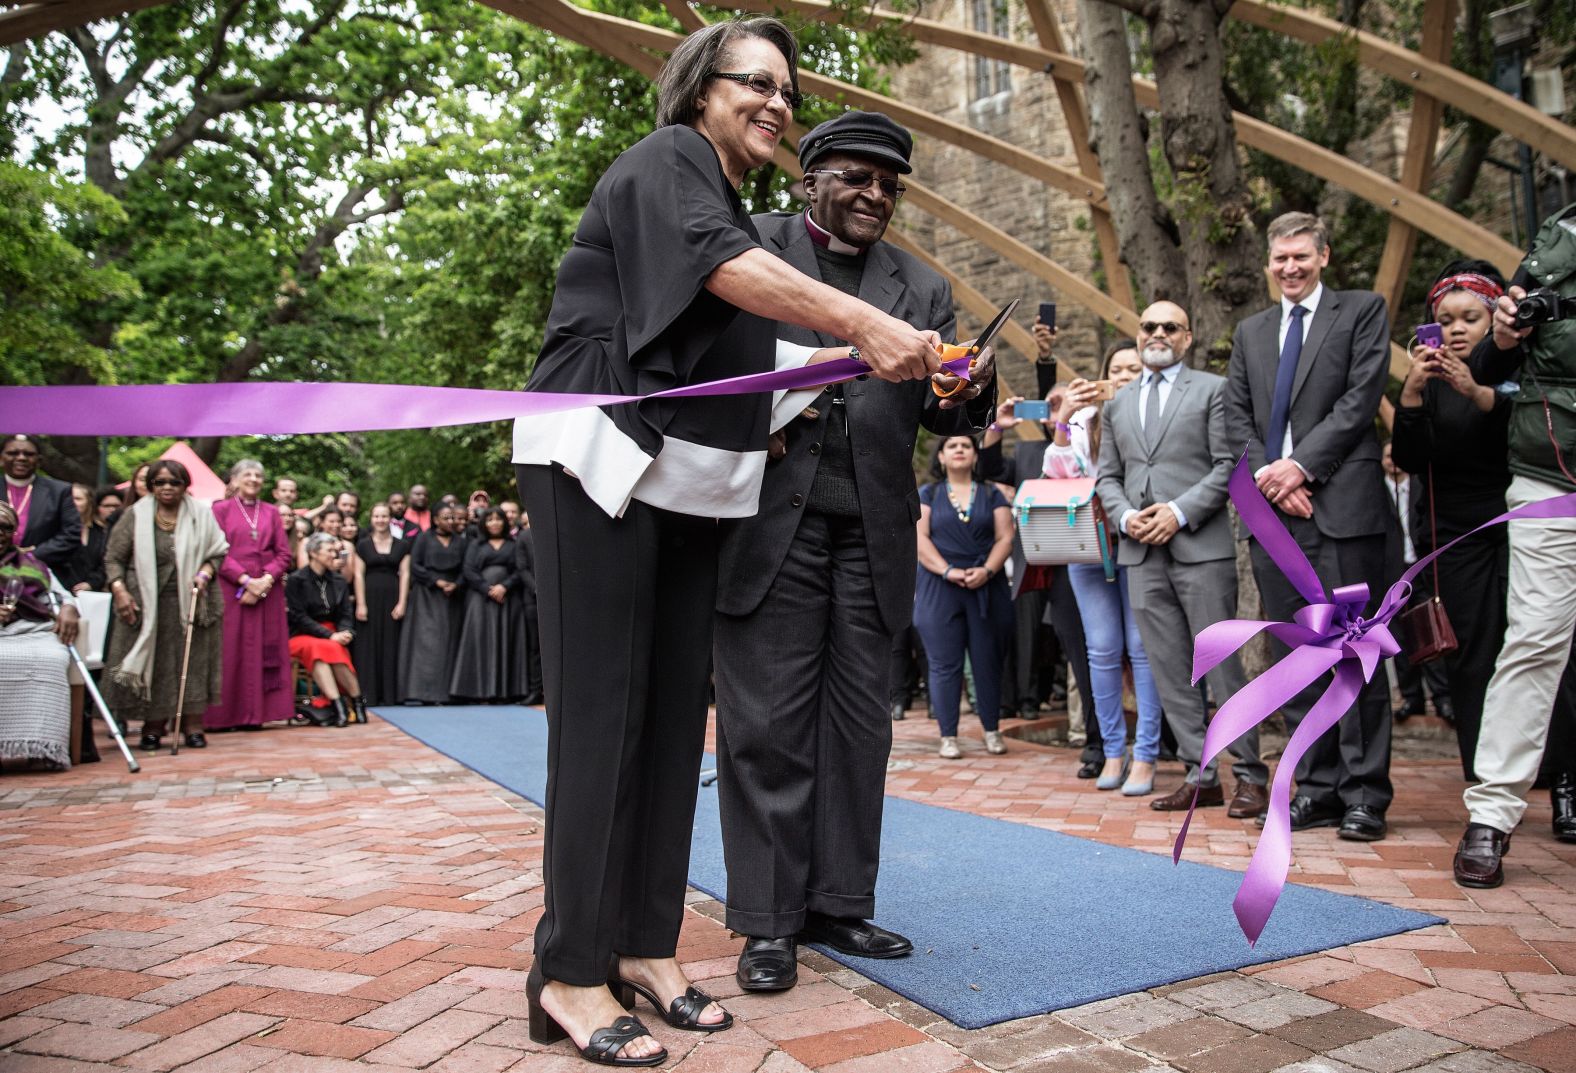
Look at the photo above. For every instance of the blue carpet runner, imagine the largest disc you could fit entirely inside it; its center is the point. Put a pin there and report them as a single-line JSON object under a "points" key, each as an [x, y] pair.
{"points": [[1007, 920]]}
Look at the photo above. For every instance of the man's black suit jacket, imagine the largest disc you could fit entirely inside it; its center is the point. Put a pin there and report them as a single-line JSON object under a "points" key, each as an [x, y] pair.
{"points": [[54, 528], [1341, 375], [882, 418]]}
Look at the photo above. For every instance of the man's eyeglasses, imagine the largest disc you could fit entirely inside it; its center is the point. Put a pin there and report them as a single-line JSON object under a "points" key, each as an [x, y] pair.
{"points": [[167, 484], [1169, 327], [855, 179], [763, 85]]}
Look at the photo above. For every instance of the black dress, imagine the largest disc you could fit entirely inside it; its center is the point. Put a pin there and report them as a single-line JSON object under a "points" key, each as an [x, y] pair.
{"points": [[376, 647], [525, 566], [491, 662], [431, 631]]}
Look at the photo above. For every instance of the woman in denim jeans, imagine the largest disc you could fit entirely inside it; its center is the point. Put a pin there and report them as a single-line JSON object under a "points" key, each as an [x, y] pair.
{"points": [[1109, 625]]}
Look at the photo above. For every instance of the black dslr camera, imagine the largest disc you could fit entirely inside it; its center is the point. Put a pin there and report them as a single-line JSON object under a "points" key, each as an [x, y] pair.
{"points": [[1543, 306]]}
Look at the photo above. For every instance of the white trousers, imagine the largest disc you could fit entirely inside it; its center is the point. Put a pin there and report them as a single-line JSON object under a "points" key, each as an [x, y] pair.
{"points": [[1541, 614]]}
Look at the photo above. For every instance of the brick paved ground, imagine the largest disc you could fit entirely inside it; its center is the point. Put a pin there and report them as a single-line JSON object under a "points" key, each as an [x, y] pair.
{"points": [[314, 900]]}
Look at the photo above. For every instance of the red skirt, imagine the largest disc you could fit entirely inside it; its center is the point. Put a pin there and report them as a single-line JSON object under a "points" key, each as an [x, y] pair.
{"points": [[309, 651]]}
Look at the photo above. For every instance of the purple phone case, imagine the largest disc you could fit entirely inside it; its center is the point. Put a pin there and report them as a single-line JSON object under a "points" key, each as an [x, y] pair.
{"points": [[1431, 335]]}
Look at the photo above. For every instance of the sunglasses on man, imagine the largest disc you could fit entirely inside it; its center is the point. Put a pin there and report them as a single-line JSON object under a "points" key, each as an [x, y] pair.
{"points": [[858, 179]]}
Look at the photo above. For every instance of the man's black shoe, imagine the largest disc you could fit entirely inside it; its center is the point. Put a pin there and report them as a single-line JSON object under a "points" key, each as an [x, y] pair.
{"points": [[1479, 857], [1090, 770], [899, 712], [1562, 795], [1306, 814], [1362, 823], [768, 964], [852, 936], [1407, 710]]}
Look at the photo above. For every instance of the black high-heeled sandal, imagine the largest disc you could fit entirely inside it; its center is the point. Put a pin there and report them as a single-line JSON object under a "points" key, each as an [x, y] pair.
{"points": [[683, 1012], [605, 1043]]}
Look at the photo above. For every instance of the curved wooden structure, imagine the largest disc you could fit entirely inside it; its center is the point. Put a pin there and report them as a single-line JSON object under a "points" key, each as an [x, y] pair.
{"points": [[1435, 85]]}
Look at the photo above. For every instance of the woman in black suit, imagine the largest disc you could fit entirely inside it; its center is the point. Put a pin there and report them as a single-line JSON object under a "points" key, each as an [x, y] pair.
{"points": [[666, 284]]}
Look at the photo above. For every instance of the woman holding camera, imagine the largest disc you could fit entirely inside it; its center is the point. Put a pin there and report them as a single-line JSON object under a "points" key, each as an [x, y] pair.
{"points": [[322, 617], [1110, 629]]}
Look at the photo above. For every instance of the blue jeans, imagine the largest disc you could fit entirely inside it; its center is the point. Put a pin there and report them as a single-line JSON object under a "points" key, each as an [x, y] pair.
{"points": [[1109, 627]]}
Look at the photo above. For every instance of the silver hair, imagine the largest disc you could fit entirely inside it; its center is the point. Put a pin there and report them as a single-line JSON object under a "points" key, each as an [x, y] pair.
{"points": [[318, 541], [243, 465]]}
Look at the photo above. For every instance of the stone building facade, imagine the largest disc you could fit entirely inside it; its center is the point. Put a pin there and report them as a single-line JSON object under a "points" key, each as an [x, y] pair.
{"points": [[1019, 106]]}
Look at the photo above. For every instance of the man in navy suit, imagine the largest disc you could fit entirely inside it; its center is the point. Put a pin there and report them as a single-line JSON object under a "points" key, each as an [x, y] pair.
{"points": [[1302, 392]]}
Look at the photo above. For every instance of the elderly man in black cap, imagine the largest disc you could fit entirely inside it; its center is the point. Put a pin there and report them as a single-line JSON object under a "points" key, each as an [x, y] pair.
{"points": [[815, 586]]}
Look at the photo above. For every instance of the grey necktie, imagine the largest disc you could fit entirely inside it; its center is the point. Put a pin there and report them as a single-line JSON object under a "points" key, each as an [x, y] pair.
{"points": [[1152, 411]]}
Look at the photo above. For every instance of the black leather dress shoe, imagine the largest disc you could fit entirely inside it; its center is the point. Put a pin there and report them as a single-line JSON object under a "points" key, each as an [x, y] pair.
{"points": [[899, 712], [1090, 770], [1306, 814], [1479, 856], [195, 740], [1562, 795], [1363, 823], [768, 964], [854, 937]]}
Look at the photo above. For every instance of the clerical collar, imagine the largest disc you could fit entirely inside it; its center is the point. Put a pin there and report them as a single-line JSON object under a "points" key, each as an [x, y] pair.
{"points": [[14, 483], [822, 237]]}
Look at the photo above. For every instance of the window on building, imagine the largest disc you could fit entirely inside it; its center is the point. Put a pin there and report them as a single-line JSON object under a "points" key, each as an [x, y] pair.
{"points": [[990, 76]]}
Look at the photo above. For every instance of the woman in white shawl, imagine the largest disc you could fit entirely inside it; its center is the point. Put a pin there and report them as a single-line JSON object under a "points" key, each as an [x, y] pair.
{"points": [[164, 548]]}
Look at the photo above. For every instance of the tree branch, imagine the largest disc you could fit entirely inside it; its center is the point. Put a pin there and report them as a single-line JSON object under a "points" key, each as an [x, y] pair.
{"points": [[220, 46], [15, 65]]}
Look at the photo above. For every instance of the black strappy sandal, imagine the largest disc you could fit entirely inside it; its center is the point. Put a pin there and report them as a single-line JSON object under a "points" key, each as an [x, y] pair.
{"points": [[683, 1012], [605, 1043]]}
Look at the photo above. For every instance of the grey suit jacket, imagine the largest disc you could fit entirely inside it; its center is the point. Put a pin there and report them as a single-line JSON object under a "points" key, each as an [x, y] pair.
{"points": [[1189, 466], [882, 419], [1341, 376]]}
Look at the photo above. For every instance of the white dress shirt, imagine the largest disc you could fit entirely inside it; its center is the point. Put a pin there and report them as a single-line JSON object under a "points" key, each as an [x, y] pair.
{"points": [[1155, 380]]}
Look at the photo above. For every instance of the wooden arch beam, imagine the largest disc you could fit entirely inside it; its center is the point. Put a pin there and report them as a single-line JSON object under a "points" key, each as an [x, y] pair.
{"points": [[1415, 208], [24, 21]]}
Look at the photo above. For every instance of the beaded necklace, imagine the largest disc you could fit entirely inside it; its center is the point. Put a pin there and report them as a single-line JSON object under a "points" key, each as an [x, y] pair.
{"points": [[967, 506]]}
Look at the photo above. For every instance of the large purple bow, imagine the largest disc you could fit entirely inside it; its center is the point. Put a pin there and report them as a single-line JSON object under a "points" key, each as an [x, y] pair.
{"points": [[271, 408], [1330, 632]]}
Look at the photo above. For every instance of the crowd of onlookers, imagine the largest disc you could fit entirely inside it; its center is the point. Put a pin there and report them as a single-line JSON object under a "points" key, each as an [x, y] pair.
{"points": [[405, 602]]}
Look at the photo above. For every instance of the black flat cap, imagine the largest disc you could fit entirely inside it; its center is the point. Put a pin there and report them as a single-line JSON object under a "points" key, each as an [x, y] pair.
{"points": [[863, 133]]}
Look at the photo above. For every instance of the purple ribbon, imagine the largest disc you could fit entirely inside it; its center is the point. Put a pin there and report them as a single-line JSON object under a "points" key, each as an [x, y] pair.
{"points": [[266, 408], [1329, 633]]}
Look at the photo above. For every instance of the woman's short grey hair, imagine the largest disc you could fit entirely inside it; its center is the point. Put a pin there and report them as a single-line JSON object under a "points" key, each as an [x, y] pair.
{"points": [[318, 541], [682, 81], [245, 465]]}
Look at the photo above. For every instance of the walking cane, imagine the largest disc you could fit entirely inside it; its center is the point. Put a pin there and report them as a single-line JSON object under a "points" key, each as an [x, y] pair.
{"points": [[98, 698], [186, 661]]}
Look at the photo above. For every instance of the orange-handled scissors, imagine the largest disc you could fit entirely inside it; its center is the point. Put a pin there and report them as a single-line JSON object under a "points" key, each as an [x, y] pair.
{"points": [[953, 351]]}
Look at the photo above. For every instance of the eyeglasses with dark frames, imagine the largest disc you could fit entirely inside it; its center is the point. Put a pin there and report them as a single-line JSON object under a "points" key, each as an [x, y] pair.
{"points": [[168, 482], [1169, 327], [764, 85], [857, 179]]}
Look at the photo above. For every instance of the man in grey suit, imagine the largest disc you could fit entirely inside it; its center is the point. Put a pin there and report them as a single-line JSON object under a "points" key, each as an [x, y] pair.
{"points": [[814, 587], [1304, 386], [1164, 463]]}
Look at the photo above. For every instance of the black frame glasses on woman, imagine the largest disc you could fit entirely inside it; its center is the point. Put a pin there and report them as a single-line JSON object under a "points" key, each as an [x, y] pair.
{"points": [[860, 179], [166, 482], [764, 85]]}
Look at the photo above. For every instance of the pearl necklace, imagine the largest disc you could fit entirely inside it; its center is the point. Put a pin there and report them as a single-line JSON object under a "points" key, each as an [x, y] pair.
{"points": [[968, 504]]}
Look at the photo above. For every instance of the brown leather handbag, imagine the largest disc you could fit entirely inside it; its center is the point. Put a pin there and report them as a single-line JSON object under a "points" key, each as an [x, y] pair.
{"points": [[1426, 633]]}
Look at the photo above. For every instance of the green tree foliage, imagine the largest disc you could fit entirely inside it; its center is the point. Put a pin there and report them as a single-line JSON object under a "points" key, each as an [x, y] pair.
{"points": [[367, 190]]}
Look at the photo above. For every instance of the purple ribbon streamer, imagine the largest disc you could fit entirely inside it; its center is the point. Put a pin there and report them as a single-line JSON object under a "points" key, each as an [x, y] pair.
{"points": [[1329, 633], [268, 408]]}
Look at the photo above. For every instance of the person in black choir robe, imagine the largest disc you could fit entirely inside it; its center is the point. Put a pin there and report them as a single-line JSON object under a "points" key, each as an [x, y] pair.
{"points": [[434, 610], [491, 662], [382, 595], [525, 566], [666, 284]]}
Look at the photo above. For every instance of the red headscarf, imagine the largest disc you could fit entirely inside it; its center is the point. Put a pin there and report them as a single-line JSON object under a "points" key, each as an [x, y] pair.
{"points": [[1486, 289]]}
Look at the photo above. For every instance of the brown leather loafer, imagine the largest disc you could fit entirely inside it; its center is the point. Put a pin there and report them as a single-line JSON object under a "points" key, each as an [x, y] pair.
{"points": [[1479, 856], [1251, 799], [1179, 799]]}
